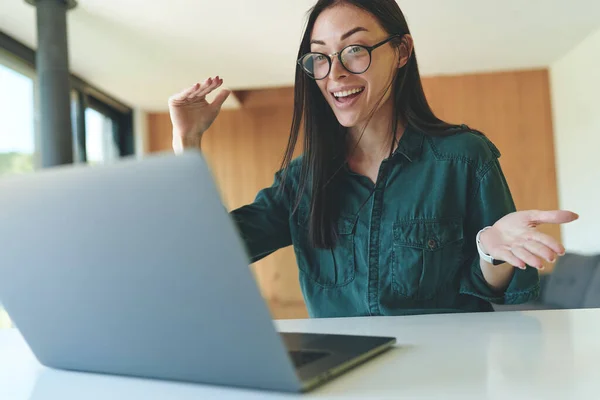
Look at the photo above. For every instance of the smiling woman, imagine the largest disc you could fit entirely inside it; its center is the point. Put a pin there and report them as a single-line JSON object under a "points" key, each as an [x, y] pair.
{"points": [[390, 210]]}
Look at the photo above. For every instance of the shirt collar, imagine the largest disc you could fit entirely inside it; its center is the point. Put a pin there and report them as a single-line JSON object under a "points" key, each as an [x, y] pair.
{"points": [[410, 145]]}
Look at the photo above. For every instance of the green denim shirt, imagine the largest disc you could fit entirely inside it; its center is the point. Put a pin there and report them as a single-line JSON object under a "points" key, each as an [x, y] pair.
{"points": [[406, 243]]}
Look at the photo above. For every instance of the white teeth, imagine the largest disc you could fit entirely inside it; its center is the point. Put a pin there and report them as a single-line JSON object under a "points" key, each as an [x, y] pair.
{"points": [[348, 92]]}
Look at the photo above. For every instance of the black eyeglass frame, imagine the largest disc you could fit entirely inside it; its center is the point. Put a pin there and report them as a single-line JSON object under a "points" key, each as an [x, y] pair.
{"points": [[339, 56]]}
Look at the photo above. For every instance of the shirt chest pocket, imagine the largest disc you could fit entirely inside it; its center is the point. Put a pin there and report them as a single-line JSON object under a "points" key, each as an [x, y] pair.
{"points": [[327, 267], [426, 255]]}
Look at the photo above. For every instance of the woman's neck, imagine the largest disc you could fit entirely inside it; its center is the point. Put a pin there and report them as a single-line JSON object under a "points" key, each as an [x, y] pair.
{"points": [[372, 144]]}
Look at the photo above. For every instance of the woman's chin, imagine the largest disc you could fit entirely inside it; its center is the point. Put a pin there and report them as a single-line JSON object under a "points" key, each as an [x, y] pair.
{"points": [[348, 121]]}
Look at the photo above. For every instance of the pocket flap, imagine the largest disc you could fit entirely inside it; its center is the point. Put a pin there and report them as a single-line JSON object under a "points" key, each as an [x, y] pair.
{"points": [[428, 234]]}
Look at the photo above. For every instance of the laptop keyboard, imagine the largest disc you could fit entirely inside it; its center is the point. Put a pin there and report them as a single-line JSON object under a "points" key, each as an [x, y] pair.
{"points": [[301, 358]]}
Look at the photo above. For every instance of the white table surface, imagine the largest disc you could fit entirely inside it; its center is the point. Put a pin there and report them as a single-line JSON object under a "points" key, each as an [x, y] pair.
{"points": [[503, 355]]}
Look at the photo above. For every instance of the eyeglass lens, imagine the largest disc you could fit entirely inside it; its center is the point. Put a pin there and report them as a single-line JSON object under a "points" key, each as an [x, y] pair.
{"points": [[355, 59]]}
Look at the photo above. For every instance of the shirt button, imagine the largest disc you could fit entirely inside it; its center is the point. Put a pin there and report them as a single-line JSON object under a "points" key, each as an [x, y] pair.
{"points": [[431, 243]]}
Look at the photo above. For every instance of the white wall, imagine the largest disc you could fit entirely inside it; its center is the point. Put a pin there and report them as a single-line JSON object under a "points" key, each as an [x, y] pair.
{"points": [[575, 86]]}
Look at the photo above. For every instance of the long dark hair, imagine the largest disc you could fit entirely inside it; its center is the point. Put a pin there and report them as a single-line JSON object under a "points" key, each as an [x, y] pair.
{"points": [[325, 138]]}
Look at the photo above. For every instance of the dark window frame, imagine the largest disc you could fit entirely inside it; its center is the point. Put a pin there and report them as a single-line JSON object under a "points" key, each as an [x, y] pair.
{"points": [[86, 95]]}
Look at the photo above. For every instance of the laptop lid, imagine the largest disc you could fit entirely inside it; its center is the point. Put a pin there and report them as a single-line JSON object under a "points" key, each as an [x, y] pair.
{"points": [[136, 269]]}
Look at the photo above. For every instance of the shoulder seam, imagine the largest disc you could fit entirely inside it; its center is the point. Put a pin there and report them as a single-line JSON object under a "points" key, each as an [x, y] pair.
{"points": [[480, 170], [483, 170], [441, 157], [479, 175]]}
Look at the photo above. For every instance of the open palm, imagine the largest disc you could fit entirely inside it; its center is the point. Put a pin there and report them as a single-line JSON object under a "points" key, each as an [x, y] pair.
{"points": [[191, 113], [516, 239]]}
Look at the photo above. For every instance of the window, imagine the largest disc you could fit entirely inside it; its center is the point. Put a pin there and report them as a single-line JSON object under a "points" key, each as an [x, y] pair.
{"points": [[100, 144], [17, 133], [92, 110]]}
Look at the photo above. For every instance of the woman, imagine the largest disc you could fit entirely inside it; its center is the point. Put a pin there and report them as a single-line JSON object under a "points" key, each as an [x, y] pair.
{"points": [[390, 210]]}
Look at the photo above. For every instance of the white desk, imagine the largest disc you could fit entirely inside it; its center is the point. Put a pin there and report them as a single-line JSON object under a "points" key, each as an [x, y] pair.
{"points": [[533, 355]]}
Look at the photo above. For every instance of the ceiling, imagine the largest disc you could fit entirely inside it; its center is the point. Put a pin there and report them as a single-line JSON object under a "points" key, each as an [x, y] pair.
{"points": [[141, 51]]}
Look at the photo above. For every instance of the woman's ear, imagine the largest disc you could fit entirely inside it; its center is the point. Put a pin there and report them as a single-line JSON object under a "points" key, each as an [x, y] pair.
{"points": [[406, 49]]}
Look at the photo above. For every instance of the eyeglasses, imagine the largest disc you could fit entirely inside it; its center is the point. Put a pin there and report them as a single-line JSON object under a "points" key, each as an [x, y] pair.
{"points": [[355, 58]]}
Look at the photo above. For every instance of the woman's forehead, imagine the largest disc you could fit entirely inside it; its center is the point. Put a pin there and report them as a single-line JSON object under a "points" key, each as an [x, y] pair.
{"points": [[336, 21]]}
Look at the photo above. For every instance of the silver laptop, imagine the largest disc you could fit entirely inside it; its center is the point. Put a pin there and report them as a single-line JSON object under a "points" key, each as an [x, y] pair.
{"points": [[136, 269]]}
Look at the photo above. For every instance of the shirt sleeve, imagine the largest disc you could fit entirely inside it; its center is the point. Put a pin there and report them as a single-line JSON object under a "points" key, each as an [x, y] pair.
{"points": [[264, 224], [491, 201]]}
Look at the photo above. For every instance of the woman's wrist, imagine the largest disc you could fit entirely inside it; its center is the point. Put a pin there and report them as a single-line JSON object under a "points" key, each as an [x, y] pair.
{"points": [[182, 142]]}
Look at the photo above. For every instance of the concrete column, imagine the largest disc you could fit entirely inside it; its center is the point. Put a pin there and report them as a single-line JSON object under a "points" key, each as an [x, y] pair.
{"points": [[52, 67]]}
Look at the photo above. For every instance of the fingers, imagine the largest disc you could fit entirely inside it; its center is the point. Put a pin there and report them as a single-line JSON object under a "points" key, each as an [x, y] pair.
{"points": [[531, 250], [201, 90], [528, 253], [540, 250], [552, 217], [208, 86], [546, 240], [184, 93], [506, 254], [197, 90], [525, 255]]}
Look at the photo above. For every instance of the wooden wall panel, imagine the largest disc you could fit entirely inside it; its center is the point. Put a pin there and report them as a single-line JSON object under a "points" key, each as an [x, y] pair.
{"points": [[159, 132], [244, 149]]}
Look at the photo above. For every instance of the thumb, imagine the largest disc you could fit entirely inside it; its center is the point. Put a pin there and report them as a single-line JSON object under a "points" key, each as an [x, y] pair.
{"points": [[552, 217], [221, 97]]}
